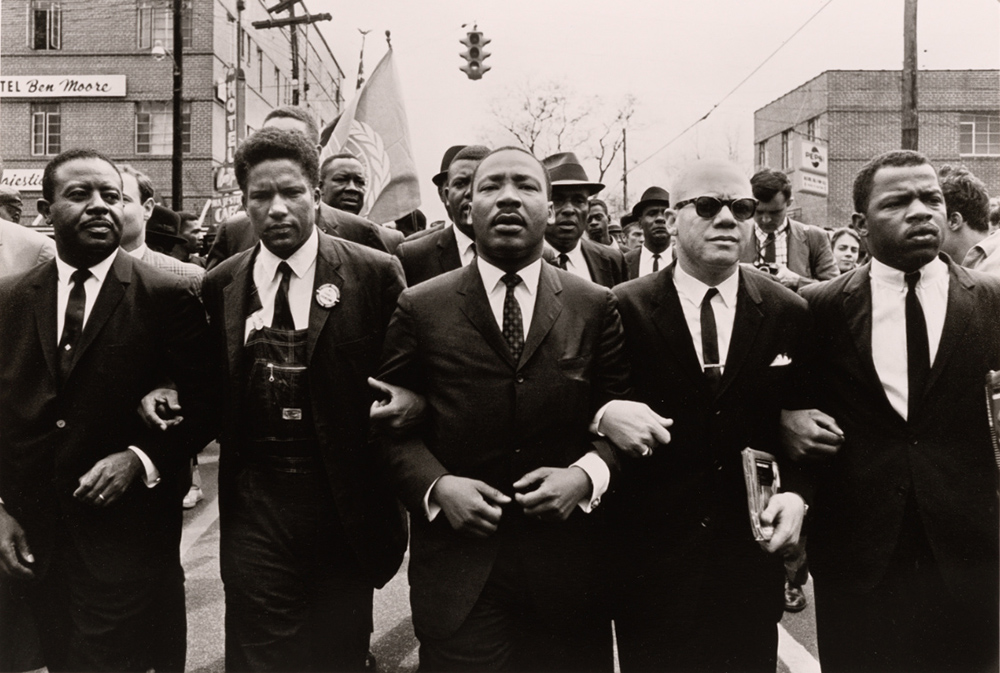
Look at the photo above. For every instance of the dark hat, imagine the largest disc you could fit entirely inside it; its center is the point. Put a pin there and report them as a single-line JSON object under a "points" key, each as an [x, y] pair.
{"points": [[649, 197], [10, 195], [627, 219], [565, 170], [446, 160], [163, 228]]}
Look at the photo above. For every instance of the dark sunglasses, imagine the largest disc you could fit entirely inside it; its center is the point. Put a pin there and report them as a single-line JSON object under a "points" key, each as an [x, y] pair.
{"points": [[709, 206]]}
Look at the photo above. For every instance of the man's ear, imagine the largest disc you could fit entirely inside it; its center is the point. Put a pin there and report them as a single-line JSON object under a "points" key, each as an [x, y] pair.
{"points": [[955, 221], [860, 224], [43, 208], [672, 222], [147, 209], [551, 219], [317, 196]]}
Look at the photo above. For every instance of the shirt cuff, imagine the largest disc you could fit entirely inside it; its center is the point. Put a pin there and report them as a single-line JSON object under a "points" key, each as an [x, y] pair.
{"points": [[431, 510], [600, 478], [596, 423], [152, 476]]}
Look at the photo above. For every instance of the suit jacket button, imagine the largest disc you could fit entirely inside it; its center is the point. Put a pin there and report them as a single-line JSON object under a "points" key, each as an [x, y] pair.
{"points": [[519, 378], [704, 522], [60, 424]]}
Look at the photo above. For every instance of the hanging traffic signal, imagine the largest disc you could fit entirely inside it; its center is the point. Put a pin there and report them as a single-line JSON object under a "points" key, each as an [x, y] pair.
{"points": [[474, 54]]}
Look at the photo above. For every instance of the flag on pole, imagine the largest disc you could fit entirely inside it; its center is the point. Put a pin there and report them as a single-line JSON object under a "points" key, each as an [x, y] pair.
{"points": [[375, 130]]}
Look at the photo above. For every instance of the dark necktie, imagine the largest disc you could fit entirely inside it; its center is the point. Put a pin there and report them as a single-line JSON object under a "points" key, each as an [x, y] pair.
{"points": [[710, 340], [282, 310], [563, 260], [656, 262], [73, 324], [769, 254], [918, 352], [513, 326]]}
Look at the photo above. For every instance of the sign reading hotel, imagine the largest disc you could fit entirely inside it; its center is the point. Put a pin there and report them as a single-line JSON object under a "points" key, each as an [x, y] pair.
{"points": [[225, 175], [62, 86]]}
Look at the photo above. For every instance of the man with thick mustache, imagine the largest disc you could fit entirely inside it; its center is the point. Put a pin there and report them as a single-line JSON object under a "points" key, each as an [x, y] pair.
{"points": [[90, 521], [571, 192], [903, 533], [513, 358]]}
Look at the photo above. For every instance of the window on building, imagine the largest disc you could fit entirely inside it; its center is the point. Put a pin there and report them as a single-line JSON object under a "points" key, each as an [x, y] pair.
{"points": [[762, 154], [46, 129], [979, 134], [786, 152], [45, 25], [154, 129], [811, 126], [247, 47], [277, 86], [156, 23], [260, 70]]}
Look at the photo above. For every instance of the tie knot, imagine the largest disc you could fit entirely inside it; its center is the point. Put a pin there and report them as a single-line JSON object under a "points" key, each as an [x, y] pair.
{"points": [[912, 279], [511, 280], [656, 255], [709, 295], [285, 270], [80, 276]]}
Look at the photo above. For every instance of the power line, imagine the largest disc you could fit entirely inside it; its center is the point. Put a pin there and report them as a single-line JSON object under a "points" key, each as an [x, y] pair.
{"points": [[734, 90]]}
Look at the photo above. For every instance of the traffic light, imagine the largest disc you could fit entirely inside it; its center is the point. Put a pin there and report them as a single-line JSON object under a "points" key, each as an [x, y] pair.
{"points": [[474, 54]]}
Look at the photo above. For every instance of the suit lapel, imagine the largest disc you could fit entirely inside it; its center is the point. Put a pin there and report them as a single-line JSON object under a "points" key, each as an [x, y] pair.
{"points": [[858, 315], [798, 249], [476, 307], [961, 306], [595, 263], [746, 324], [46, 306], [668, 316], [238, 304], [448, 255], [111, 293], [327, 263], [548, 306]]}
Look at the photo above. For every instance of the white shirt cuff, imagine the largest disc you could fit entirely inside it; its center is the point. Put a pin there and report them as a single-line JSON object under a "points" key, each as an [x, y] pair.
{"points": [[152, 475], [596, 423], [600, 478], [431, 510]]}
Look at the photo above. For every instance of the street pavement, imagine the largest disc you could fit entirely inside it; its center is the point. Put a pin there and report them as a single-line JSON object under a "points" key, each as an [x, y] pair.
{"points": [[393, 642]]}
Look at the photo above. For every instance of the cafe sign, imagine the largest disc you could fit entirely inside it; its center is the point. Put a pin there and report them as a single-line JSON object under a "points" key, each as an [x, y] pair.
{"points": [[62, 86]]}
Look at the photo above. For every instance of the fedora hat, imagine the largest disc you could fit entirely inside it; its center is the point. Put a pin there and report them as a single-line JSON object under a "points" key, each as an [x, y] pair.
{"points": [[649, 197], [449, 154], [565, 170], [163, 227]]}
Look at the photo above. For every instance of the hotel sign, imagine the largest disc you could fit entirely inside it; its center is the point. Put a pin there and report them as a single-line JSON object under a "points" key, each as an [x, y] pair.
{"points": [[62, 86]]}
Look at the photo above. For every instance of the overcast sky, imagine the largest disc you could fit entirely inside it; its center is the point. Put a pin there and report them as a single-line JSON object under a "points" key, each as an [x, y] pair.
{"points": [[677, 57]]}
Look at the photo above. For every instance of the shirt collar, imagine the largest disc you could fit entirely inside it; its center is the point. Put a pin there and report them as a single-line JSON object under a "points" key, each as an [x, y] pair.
{"points": [[139, 252], [693, 290], [761, 234], [100, 270], [462, 240], [300, 260], [491, 275], [932, 272]]}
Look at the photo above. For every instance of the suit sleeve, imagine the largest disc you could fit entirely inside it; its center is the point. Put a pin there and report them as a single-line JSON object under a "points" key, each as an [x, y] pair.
{"points": [[621, 265], [821, 262], [611, 373], [411, 467], [218, 252]]}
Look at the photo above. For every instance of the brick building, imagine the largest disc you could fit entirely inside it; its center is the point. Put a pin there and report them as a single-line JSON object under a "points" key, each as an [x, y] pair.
{"points": [[849, 116], [81, 73]]}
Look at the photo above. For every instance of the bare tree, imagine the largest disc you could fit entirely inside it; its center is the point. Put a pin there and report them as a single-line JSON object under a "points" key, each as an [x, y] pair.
{"points": [[612, 138]]}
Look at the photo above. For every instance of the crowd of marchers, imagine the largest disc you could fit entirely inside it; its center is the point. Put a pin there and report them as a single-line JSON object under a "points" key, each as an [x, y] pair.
{"points": [[547, 407]]}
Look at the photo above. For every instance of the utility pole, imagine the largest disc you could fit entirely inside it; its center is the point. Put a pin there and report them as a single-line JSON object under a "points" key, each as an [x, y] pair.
{"points": [[625, 167], [295, 58], [176, 161], [294, 22], [241, 94], [909, 119]]}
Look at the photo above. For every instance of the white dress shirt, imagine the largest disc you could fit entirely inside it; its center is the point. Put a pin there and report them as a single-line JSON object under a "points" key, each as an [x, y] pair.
{"points": [[92, 287], [985, 255], [300, 286], [889, 323], [526, 292], [576, 263], [691, 292], [466, 246], [138, 252], [646, 260]]}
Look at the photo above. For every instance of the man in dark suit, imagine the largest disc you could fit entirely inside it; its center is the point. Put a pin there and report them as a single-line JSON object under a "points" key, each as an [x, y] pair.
{"points": [[657, 222], [903, 536], [451, 247], [796, 254], [343, 187], [237, 234], [308, 528], [571, 191], [513, 357], [90, 523], [712, 347]]}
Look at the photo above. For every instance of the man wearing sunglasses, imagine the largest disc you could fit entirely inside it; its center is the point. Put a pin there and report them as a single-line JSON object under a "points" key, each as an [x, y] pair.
{"points": [[712, 346], [797, 254]]}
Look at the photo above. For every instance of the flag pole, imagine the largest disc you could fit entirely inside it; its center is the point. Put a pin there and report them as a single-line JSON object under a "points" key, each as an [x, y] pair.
{"points": [[361, 59]]}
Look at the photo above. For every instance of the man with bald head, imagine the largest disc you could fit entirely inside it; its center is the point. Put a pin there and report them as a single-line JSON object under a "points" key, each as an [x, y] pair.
{"points": [[711, 346]]}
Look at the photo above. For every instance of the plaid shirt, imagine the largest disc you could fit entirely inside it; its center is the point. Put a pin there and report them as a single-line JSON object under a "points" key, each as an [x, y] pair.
{"points": [[780, 243]]}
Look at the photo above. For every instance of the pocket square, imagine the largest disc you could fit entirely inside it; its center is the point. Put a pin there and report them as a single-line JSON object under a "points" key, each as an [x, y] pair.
{"points": [[781, 360]]}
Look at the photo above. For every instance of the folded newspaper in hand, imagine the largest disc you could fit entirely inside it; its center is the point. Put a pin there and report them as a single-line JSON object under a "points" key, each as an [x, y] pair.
{"points": [[760, 471], [993, 407]]}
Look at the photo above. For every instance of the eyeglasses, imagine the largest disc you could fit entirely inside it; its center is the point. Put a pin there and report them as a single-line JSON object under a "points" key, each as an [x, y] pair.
{"points": [[709, 206]]}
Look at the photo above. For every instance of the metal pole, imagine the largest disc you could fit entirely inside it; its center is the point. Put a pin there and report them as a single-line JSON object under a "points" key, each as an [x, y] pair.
{"points": [[295, 58], [624, 168], [176, 161], [909, 119]]}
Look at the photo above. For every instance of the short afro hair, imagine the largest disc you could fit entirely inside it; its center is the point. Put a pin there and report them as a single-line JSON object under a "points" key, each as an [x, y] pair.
{"points": [[269, 144], [49, 174], [515, 148], [865, 178], [292, 112]]}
